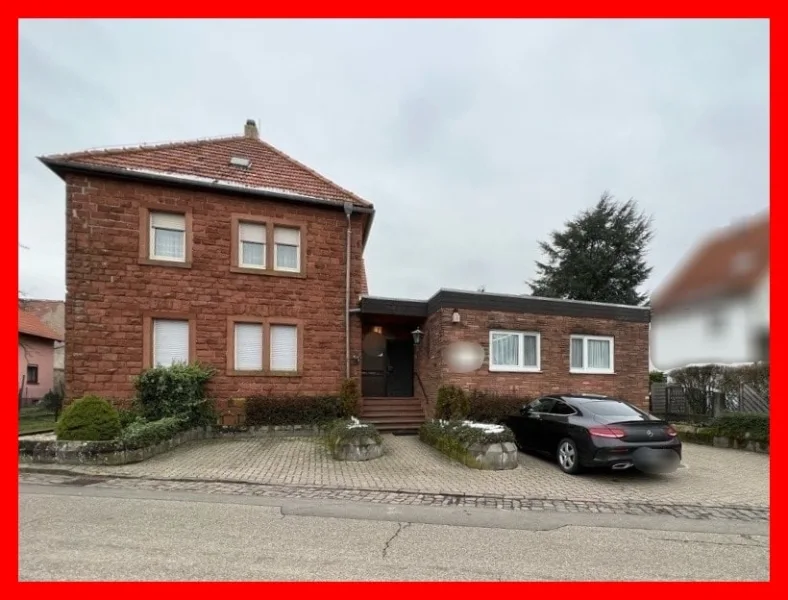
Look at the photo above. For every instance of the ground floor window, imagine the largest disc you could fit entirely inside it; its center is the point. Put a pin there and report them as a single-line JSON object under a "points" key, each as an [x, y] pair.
{"points": [[32, 374], [591, 354], [170, 342], [514, 351]]}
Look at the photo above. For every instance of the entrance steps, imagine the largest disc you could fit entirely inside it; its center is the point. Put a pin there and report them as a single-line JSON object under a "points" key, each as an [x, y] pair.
{"points": [[392, 414]]}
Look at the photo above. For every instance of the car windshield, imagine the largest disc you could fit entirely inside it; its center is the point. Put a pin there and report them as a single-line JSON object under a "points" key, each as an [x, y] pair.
{"points": [[605, 408]]}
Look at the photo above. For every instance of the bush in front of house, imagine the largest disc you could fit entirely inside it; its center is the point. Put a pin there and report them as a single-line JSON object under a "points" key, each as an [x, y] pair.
{"points": [[89, 419], [490, 407], [293, 410], [452, 403], [351, 398], [455, 438], [742, 427], [175, 391], [350, 439], [141, 433]]}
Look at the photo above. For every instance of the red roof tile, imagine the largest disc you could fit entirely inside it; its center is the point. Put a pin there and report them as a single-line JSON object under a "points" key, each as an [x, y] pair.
{"points": [[30, 324], [209, 159], [730, 262]]}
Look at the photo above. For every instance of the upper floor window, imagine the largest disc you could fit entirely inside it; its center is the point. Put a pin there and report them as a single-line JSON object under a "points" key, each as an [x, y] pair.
{"points": [[287, 244], [514, 351], [167, 236], [266, 247], [251, 252], [590, 354]]}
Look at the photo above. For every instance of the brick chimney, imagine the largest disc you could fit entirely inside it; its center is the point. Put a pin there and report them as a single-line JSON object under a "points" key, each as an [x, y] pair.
{"points": [[250, 129]]}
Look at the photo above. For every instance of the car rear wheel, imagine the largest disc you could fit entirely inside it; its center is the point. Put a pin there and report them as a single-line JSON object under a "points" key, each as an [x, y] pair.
{"points": [[568, 458]]}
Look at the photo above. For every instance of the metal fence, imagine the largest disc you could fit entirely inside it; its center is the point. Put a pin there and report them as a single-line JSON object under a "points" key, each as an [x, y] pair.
{"points": [[675, 403]]}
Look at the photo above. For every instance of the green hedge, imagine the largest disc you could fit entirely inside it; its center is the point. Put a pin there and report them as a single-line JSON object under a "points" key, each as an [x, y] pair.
{"points": [[294, 410], [346, 430], [176, 391], [453, 438], [141, 434], [742, 427], [455, 404], [89, 419]]}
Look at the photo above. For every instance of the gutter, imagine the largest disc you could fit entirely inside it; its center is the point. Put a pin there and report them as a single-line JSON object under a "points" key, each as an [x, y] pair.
{"points": [[59, 167]]}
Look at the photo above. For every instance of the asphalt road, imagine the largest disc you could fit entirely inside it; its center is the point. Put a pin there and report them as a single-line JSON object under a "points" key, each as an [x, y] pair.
{"points": [[80, 534]]}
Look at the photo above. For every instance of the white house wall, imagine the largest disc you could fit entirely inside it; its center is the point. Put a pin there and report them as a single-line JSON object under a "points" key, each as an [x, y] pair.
{"points": [[686, 337]]}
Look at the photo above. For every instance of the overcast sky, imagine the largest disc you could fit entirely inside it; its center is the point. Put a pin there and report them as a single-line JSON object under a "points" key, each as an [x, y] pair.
{"points": [[474, 139]]}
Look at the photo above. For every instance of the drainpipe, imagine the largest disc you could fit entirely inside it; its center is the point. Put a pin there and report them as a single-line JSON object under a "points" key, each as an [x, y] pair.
{"points": [[348, 212]]}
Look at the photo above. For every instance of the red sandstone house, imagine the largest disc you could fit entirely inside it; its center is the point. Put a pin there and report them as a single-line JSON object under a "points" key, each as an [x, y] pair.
{"points": [[36, 350], [229, 252]]}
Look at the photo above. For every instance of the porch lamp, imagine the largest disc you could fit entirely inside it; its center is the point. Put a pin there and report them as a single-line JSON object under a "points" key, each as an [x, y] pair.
{"points": [[417, 333]]}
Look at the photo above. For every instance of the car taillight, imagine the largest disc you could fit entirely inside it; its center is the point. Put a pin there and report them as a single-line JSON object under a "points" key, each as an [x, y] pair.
{"points": [[670, 431], [606, 432]]}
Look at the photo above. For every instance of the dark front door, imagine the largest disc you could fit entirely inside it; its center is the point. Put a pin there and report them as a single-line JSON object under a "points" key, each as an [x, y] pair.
{"points": [[399, 368]]}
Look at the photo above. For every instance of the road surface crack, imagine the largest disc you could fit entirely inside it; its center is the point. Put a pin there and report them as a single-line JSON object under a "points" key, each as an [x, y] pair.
{"points": [[400, 528]]}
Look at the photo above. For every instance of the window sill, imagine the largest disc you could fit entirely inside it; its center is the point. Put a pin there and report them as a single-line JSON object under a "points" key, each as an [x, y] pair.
{"points": [[513, 370], [155, 262], [581, 372], [269, 272], [264, 373]]}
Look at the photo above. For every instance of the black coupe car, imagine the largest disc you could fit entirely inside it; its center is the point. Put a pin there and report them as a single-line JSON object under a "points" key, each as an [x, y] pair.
{"points": [[586, 431]]}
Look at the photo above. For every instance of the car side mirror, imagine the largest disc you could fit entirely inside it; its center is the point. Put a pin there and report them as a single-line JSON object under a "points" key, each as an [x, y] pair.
{"points": [[525, 409]]}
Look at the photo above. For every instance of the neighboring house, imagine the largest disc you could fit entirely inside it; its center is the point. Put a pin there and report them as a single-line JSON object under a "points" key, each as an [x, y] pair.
{"points": [[715, 308], [36, 350], [231, 253], [53, 314]]}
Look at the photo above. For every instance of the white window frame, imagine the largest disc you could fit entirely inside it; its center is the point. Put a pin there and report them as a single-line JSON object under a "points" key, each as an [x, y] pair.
{"points": [[276, 266], [585, 368], [152, 237], [241, 241], [519, 368]]}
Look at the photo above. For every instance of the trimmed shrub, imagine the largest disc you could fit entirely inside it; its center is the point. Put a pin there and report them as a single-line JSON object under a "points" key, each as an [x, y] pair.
{"points": [[293, 410], [454, 438], [346, 430], [141, 434], [488, 407], [128, 416], [351, 398], [742, 427], [656, 377], [452, 403], [89, 419], [176, 391]]}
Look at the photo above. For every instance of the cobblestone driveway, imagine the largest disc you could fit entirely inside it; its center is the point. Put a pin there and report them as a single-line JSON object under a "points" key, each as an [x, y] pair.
{"points": [[714, 477]]}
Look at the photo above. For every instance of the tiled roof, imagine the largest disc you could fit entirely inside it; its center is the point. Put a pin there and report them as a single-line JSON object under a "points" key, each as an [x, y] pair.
{"points": [[49, 311], [209, 161], [733, 261], [30, 324]]}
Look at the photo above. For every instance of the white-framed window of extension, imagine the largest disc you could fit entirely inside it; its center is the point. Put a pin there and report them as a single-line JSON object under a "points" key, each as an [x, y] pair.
{"points": [[287, 249], [591, 354], [251, 245], [516, 351], [167, 236], [284, 348], [170, 342], [248, 350]]}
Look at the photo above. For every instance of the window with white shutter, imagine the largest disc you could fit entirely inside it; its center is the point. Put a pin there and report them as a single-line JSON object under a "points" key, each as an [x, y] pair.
{"points": [[287, 249], [168, 236], [284, 348], [170, 342], [251, 241], [248, 347]]}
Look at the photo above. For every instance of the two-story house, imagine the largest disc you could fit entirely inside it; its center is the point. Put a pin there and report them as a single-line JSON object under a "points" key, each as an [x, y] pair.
{"points": [[229, 252], [715, 306]]}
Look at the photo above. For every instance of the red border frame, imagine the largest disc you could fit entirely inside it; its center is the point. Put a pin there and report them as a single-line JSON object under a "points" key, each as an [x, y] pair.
{"points": [[404, 8]]}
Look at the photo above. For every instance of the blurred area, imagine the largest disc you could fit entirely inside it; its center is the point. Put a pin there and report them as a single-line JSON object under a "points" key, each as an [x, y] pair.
{"points": [[714, 307]]}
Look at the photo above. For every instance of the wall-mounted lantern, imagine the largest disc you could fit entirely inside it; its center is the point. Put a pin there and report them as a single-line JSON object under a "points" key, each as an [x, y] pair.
{"points": [[455, 316], [417, 335]]}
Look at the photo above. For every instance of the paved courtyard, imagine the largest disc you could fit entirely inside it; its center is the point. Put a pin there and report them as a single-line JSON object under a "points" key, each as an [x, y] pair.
{"points": [[713, 477]]}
